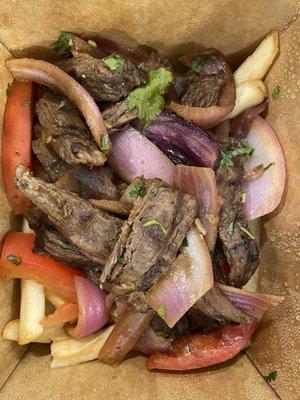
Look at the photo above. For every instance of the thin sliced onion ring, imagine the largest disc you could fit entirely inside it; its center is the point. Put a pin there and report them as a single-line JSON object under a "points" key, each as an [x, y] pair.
{"points": [[252, 303], [48, 74], [93, 314]]}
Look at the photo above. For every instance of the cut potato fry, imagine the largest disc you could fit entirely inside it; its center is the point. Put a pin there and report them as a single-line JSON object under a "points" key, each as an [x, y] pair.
{"points": [[55, 299], [257, 65], [75, 351], [32, 310], [248, 94], [56, 333]]}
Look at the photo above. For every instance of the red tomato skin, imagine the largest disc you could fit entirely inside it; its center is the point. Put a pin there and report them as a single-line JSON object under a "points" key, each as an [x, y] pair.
{"points": [[203, 350], [16, 140]]}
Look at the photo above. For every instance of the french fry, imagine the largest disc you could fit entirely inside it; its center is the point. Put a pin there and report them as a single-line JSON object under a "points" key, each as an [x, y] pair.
{"points": [[75, 351], [248, 94], [32, 310], [257, 65], [55, 299], [11, 332]]}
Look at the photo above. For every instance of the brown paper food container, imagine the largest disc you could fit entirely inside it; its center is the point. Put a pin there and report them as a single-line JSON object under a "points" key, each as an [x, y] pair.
{"points": [[234, 27]]}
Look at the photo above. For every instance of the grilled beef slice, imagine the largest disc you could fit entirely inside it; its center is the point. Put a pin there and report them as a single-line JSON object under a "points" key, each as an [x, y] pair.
{"points": [[58, 115], [62, 128], [118, 114], [149, 241], [50, 242], [52, 163], [92, 231], [216, 305], [240, 250], [89, 183], [103, 83]]}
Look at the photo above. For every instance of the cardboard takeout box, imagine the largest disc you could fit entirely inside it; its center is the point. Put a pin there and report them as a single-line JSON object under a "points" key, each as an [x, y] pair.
{"points": [[234, 27]]}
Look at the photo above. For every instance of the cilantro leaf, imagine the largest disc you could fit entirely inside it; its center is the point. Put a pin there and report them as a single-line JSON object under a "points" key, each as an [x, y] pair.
{"points": [[14, 259], [276, 92], [227, 158], [271, 376], [248, 233], [148, 99], [61, 46], [114, 62], [161, 312], [105, 144], [230, 229], [152, 222], [197, 65], [139, 189]]}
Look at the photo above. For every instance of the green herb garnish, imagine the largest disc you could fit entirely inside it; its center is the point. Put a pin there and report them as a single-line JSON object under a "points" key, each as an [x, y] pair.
{"points": [[138, 189], [248, 233], [61, 46], [161, 312], [121, 260], [114, 62], [243, 319], [152, 222], [269, 165], [227, 158], [184, 242], [197, 65], [230, 229], [104, 144], [276, 92], [14, 259], [148, 99], [243, 197], [271, 376]]}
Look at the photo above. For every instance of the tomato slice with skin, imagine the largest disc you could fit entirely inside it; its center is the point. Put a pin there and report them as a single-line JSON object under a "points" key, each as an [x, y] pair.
{"points": [[43, 269], [203, 350], [16, 140], [65, 313]]}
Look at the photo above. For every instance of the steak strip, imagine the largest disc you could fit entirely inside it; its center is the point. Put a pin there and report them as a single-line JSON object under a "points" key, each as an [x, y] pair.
{"points": [[149, 241], [92, 231]]}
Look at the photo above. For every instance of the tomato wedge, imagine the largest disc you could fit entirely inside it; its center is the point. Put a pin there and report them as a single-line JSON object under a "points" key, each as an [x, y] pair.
{"points": [[202, 350], [16, 140], [65, 313], [42, 269]]}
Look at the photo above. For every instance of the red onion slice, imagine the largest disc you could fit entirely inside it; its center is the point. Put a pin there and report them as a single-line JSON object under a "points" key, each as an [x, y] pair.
{"points": [[182, 142], [201, 183], [93, 314], [48, 74], [133, 155], [255, 304], [188, 278], [264, 194], [152, 342]]}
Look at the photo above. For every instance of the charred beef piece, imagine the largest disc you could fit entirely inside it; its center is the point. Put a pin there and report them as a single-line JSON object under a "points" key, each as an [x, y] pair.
{"points": [[149, 242], [156, 60], [50, 242], [58, 115], [52, 163], [240, 250], [203, 91], [80, 47], [118, 114], [210, 74], [214, 304], [76, 149], [89, 183], [103, 83], [92, 231], [62, 128]]}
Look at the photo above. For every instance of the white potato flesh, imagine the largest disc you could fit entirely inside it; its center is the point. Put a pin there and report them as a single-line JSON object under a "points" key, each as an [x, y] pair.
{"points": [[55, 299], [248, 94], [11, 332], [76, 351], [32, 311], [257, 65]]}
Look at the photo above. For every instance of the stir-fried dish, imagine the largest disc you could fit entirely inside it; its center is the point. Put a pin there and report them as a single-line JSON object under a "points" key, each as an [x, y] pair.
{"points": [[142, 183]]}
